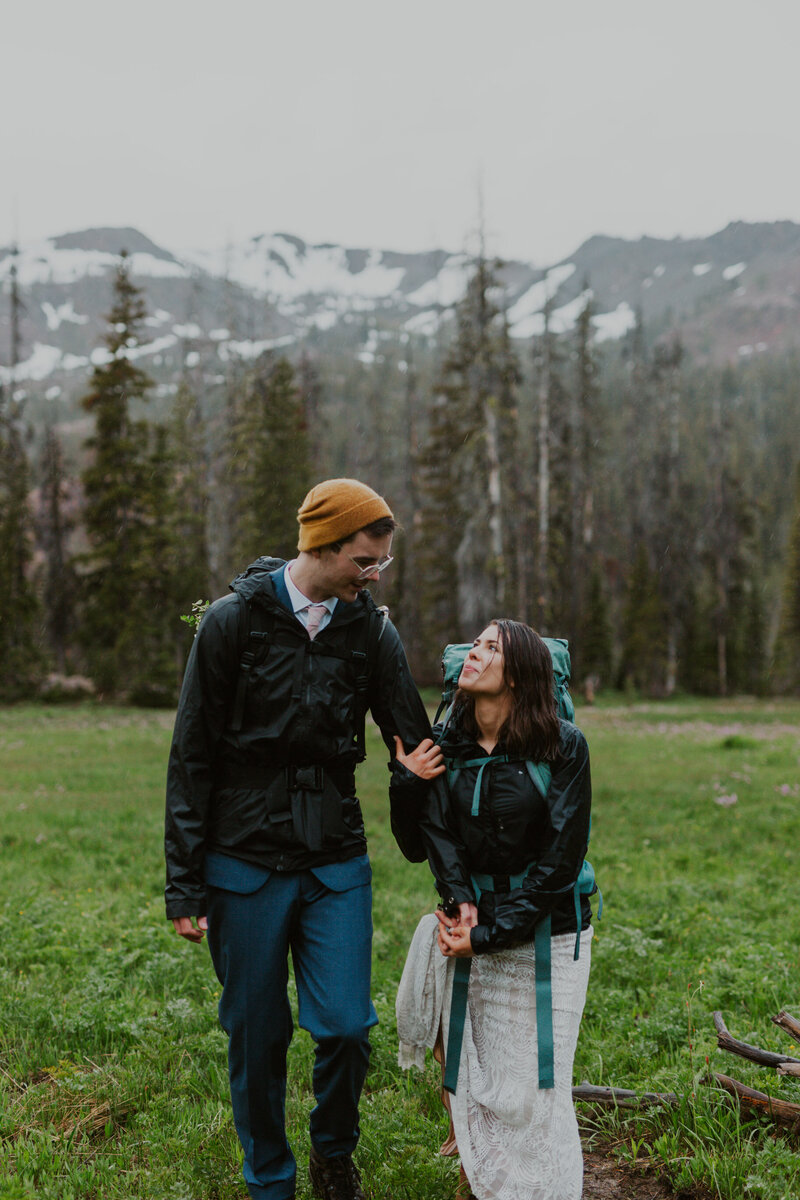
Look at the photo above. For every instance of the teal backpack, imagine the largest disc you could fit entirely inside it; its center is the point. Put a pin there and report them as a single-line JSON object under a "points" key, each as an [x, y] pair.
{"points": [[452, 661]]}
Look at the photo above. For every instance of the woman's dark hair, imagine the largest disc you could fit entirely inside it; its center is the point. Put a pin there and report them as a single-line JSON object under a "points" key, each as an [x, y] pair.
{"points": [[531, 728]]}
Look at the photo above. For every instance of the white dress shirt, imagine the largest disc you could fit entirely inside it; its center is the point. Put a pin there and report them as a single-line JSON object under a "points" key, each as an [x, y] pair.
{"points": [[301, 603]]}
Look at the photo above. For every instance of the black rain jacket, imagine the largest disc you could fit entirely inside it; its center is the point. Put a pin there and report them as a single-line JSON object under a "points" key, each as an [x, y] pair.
{"points": [[279, 790], [516, 827]]}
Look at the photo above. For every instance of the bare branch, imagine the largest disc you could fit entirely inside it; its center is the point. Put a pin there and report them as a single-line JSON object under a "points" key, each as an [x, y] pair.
{"points": [[788, 1024], [765, 1058], [779, 1110], [620, 1097]]}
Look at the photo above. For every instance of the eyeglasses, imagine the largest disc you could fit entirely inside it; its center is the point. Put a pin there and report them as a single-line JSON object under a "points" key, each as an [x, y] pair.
{"points": [[364, 573]]}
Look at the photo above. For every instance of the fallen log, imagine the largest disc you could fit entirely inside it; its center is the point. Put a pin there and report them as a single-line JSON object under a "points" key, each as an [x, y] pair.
{"points": [[779, 1110], [765, 1058], [788, 1024], [789, 1069], [620, 1097]]}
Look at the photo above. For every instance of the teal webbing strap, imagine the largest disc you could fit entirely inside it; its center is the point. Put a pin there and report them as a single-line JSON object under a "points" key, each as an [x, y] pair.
{"points": [[544, 1004], [540, 775], [457, 764], [476, 795], [455, 1032], [544, 996], [576, 891], [485, 883]]}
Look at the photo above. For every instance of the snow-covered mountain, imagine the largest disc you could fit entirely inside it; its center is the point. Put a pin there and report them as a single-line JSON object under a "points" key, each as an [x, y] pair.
{"points": [[731, 295]]}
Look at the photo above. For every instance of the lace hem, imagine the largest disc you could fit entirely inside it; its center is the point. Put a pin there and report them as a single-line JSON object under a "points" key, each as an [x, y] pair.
{"points": [[517, 1142]]}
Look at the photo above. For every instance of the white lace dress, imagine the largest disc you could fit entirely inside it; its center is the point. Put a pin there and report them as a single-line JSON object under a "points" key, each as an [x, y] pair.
{"points": [[516, 1141]]}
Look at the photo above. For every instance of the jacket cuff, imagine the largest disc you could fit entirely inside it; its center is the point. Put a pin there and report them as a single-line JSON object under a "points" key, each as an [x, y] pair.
{"points": [[404, 780], [479, 937], [455, 893], [187, 908]]}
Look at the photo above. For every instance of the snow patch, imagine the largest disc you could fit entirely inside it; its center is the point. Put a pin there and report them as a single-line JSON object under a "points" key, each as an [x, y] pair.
{"points": [[614, 324], [323, 320], [190, 330], [251, 349], [71, 362], [532, 301], [734, 271], [275, 264], [447, 287], [55, 317], [42, 362], [156, 268], [426, 324], [100, 356], [701, 268], [41, 262]]}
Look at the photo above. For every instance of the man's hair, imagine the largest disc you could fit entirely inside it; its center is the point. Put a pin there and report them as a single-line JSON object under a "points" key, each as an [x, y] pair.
{"points": [[532, 728], [376, 529]]}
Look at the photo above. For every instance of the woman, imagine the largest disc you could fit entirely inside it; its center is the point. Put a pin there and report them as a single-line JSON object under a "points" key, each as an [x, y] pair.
{"points": [[506, 847]]}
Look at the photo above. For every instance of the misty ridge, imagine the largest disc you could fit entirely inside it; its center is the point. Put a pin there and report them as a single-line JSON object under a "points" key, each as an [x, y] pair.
{"points": [[605, 448]]}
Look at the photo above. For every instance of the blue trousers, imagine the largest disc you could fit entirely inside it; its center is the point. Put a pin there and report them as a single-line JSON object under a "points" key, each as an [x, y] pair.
{"points": [[328, 930]]}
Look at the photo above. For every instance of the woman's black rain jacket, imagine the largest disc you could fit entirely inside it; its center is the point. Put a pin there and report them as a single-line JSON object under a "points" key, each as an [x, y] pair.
{"points": [[516, 828]]}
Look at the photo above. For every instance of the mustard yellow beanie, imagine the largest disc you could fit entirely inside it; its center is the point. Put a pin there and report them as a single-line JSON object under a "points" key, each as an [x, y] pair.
{"points": [[335, 509]]}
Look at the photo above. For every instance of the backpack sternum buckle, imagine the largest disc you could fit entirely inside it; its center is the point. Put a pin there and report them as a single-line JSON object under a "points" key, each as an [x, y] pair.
{"points": [[307, 779]]}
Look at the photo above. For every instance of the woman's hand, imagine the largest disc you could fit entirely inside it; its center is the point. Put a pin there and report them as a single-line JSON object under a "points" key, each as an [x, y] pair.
{"points": [[426, 761], [454, 940]]}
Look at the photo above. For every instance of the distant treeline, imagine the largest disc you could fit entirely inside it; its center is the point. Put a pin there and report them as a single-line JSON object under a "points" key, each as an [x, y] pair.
{"points": [[644, 507]]}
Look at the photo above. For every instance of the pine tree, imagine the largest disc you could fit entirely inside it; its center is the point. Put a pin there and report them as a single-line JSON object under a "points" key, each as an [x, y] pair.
{"points": [[114, 487], [786, 659], [584, 440], [478, 379], [149, 641], [593, 635], [668, 543], [20, 655], [436, 536], [60, 583], [190, 499], [553, 509], [268, 454], [644, 641]]}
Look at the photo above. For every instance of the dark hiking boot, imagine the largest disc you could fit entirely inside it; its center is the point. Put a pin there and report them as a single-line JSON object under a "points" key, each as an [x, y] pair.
{"points": [[334, 1178]]}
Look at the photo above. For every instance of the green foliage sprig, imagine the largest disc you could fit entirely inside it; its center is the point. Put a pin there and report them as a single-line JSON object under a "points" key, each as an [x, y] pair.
{"points": [[194, 617]]}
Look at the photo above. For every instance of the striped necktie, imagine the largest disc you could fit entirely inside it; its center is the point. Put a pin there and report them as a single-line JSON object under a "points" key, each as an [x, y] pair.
{"points": [[315, 614]]}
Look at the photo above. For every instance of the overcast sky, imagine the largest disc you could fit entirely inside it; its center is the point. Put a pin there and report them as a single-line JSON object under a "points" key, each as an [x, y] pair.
{"points": [[380, 124]]}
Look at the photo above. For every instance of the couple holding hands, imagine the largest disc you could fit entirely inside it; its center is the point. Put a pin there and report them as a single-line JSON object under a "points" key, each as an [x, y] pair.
{"points": [[266, 854]]}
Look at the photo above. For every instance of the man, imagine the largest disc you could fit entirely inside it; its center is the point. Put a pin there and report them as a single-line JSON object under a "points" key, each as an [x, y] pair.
{"points": [[265, 842]]}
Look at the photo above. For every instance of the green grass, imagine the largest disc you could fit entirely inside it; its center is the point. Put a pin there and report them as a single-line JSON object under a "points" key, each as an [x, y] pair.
{"points": [[112, 1066]]}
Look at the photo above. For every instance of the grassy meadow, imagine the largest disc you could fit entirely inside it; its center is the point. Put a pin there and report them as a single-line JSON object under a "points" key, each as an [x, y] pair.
{"points": [[113, 1078]]}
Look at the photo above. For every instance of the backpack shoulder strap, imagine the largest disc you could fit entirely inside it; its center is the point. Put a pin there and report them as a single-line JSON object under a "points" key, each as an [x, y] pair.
{"points": [[540, 775], [255, 634], [366, 637]]}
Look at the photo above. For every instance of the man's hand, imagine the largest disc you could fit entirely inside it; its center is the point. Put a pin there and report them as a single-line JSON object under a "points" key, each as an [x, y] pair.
{"points": [[187, 929], [468, 915], [426, 761], [454, 940]]}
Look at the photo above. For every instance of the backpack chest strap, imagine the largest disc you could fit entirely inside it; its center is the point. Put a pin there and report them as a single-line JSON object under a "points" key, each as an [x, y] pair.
{"points": [[455, 765]]}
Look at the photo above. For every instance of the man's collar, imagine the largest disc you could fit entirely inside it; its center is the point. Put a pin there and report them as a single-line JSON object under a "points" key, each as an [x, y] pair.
{"points": [[298, 600]]}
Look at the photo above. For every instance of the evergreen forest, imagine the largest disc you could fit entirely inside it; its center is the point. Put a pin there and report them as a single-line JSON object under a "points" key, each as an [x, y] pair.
{"points": [[640, 504]]}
